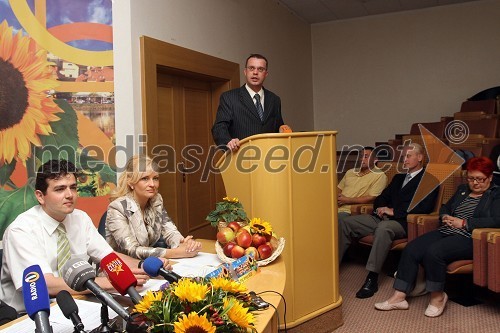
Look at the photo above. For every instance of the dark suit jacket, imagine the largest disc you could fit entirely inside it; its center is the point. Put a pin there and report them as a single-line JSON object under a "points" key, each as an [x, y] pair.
{"points": [[487, 212], [237, 116], [398, 198]]}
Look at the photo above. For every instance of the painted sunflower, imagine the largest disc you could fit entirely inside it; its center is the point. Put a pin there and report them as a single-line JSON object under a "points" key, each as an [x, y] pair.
{"points": [[193, 323], [148, 300], [91, 184], [238, 314], [26, 110], [260, 226], [227, 285], [190, 291]]}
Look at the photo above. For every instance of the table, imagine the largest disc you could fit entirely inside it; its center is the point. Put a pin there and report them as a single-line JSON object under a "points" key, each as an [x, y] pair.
{"points": [[271, 277]]}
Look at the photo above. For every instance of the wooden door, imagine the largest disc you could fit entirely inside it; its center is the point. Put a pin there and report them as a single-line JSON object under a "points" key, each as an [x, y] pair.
{"points": [[180, 95], [184, 122]]}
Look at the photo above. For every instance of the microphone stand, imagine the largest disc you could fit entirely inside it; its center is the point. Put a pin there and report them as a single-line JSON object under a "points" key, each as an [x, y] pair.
{"points": [[105, 328]]}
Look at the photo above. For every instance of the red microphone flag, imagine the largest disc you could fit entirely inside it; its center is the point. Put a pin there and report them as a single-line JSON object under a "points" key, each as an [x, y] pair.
{"points": [[118, 273]]}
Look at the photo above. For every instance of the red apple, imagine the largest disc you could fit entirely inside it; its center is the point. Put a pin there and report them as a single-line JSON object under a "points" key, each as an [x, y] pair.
{"points": [[265, 251], [240, 230], [252, 251], [244, 239], [227, 248], [225, 235], [237, 252], [258, 240], [234, 225]]}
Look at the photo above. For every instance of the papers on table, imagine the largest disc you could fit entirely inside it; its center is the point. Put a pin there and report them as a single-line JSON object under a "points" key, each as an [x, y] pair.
{"points": [[152, 284], [198, 266], [89, 312]]}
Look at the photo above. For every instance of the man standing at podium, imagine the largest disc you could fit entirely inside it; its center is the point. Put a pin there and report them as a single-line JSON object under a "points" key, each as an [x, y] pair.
{"points": [[248, 110]]}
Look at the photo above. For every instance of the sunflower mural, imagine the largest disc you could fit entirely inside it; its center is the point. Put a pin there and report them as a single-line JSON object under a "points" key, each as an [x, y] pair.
{"points": [[38, 120]]}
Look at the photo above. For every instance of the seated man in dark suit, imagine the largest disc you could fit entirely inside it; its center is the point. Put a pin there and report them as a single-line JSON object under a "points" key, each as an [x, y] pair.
{"points": [[248, 110], [388, 221]]}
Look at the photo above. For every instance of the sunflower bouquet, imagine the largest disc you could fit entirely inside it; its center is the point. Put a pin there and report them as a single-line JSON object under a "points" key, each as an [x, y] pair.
{"points": [[198, 305]]}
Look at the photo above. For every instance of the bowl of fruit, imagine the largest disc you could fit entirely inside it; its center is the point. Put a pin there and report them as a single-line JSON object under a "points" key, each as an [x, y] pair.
{"points": [[256, 239]]}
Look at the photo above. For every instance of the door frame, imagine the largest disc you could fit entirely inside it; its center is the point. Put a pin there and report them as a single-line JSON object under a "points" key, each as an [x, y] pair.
{"points": [[158, 55]]}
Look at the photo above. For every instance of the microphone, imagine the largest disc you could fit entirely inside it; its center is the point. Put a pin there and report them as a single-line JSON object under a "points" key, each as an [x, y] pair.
{"points": [[36, 298], [154, 267], [79, 276], [120, 276], [69, 309]]}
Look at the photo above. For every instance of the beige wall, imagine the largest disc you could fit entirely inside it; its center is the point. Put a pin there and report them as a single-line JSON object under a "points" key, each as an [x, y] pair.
{"points": [[228, 29], [375, 76]]}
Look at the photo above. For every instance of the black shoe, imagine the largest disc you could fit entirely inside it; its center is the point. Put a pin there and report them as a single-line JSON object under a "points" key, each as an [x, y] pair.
{"points": [[368, 290]]}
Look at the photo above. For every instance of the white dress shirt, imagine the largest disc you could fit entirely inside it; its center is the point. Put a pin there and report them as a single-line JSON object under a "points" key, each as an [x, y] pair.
{"points": [[31, 239], [252, 94]]}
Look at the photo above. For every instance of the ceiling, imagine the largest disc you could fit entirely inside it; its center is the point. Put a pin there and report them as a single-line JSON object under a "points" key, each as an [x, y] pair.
{"points": [[316, 11]]}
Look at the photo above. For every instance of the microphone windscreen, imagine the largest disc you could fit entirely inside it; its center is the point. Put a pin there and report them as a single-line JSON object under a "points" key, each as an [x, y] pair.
{"points": [[35, 292], [152, 266], [118, 273], [76, 273], [66, 303]]}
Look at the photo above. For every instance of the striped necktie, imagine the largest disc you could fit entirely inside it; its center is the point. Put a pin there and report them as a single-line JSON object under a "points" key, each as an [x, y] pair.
{"points": [[407, 179], [63, 252], [260, 110]]}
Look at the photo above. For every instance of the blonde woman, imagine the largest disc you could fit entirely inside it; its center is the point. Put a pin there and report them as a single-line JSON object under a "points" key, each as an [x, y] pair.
{"points": [[136, 218]]}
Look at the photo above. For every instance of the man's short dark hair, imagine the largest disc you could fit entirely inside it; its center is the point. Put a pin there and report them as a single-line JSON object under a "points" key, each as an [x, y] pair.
{"points": [[258, 56], [53, 169], [370, 148]]}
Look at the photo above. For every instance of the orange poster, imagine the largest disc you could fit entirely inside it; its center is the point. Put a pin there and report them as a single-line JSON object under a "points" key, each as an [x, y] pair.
{"points": [[56, 99]]}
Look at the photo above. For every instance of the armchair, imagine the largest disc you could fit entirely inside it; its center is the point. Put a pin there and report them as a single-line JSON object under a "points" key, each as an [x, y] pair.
{"points": [[493, 261], [478, 265]]}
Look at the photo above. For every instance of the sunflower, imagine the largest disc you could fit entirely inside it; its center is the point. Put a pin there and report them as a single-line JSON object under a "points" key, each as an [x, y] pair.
{"points": [[227, 285], [103, 187], [190, 291], [238, 314], [193, 323], [228, 199], [260, 226], [25, 109], [148, 300]]}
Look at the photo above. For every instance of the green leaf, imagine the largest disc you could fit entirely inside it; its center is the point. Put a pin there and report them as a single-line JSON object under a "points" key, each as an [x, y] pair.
{"points": [[13, 203], [63, 143], [6, 171]]}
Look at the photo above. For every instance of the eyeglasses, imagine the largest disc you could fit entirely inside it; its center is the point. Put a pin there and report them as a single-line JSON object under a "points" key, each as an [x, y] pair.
{"points": [[479, 180], [259, 69]]}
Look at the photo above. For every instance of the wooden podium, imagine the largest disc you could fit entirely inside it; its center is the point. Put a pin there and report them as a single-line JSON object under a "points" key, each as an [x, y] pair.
{"points": [[290, 180]]}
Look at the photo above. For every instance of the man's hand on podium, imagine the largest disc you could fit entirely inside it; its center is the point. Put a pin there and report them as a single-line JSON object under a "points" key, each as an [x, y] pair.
{"points": [[234, 144]]}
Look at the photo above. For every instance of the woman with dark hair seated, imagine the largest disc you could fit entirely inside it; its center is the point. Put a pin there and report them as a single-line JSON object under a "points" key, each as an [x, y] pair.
{"points": [[474, 205]]}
